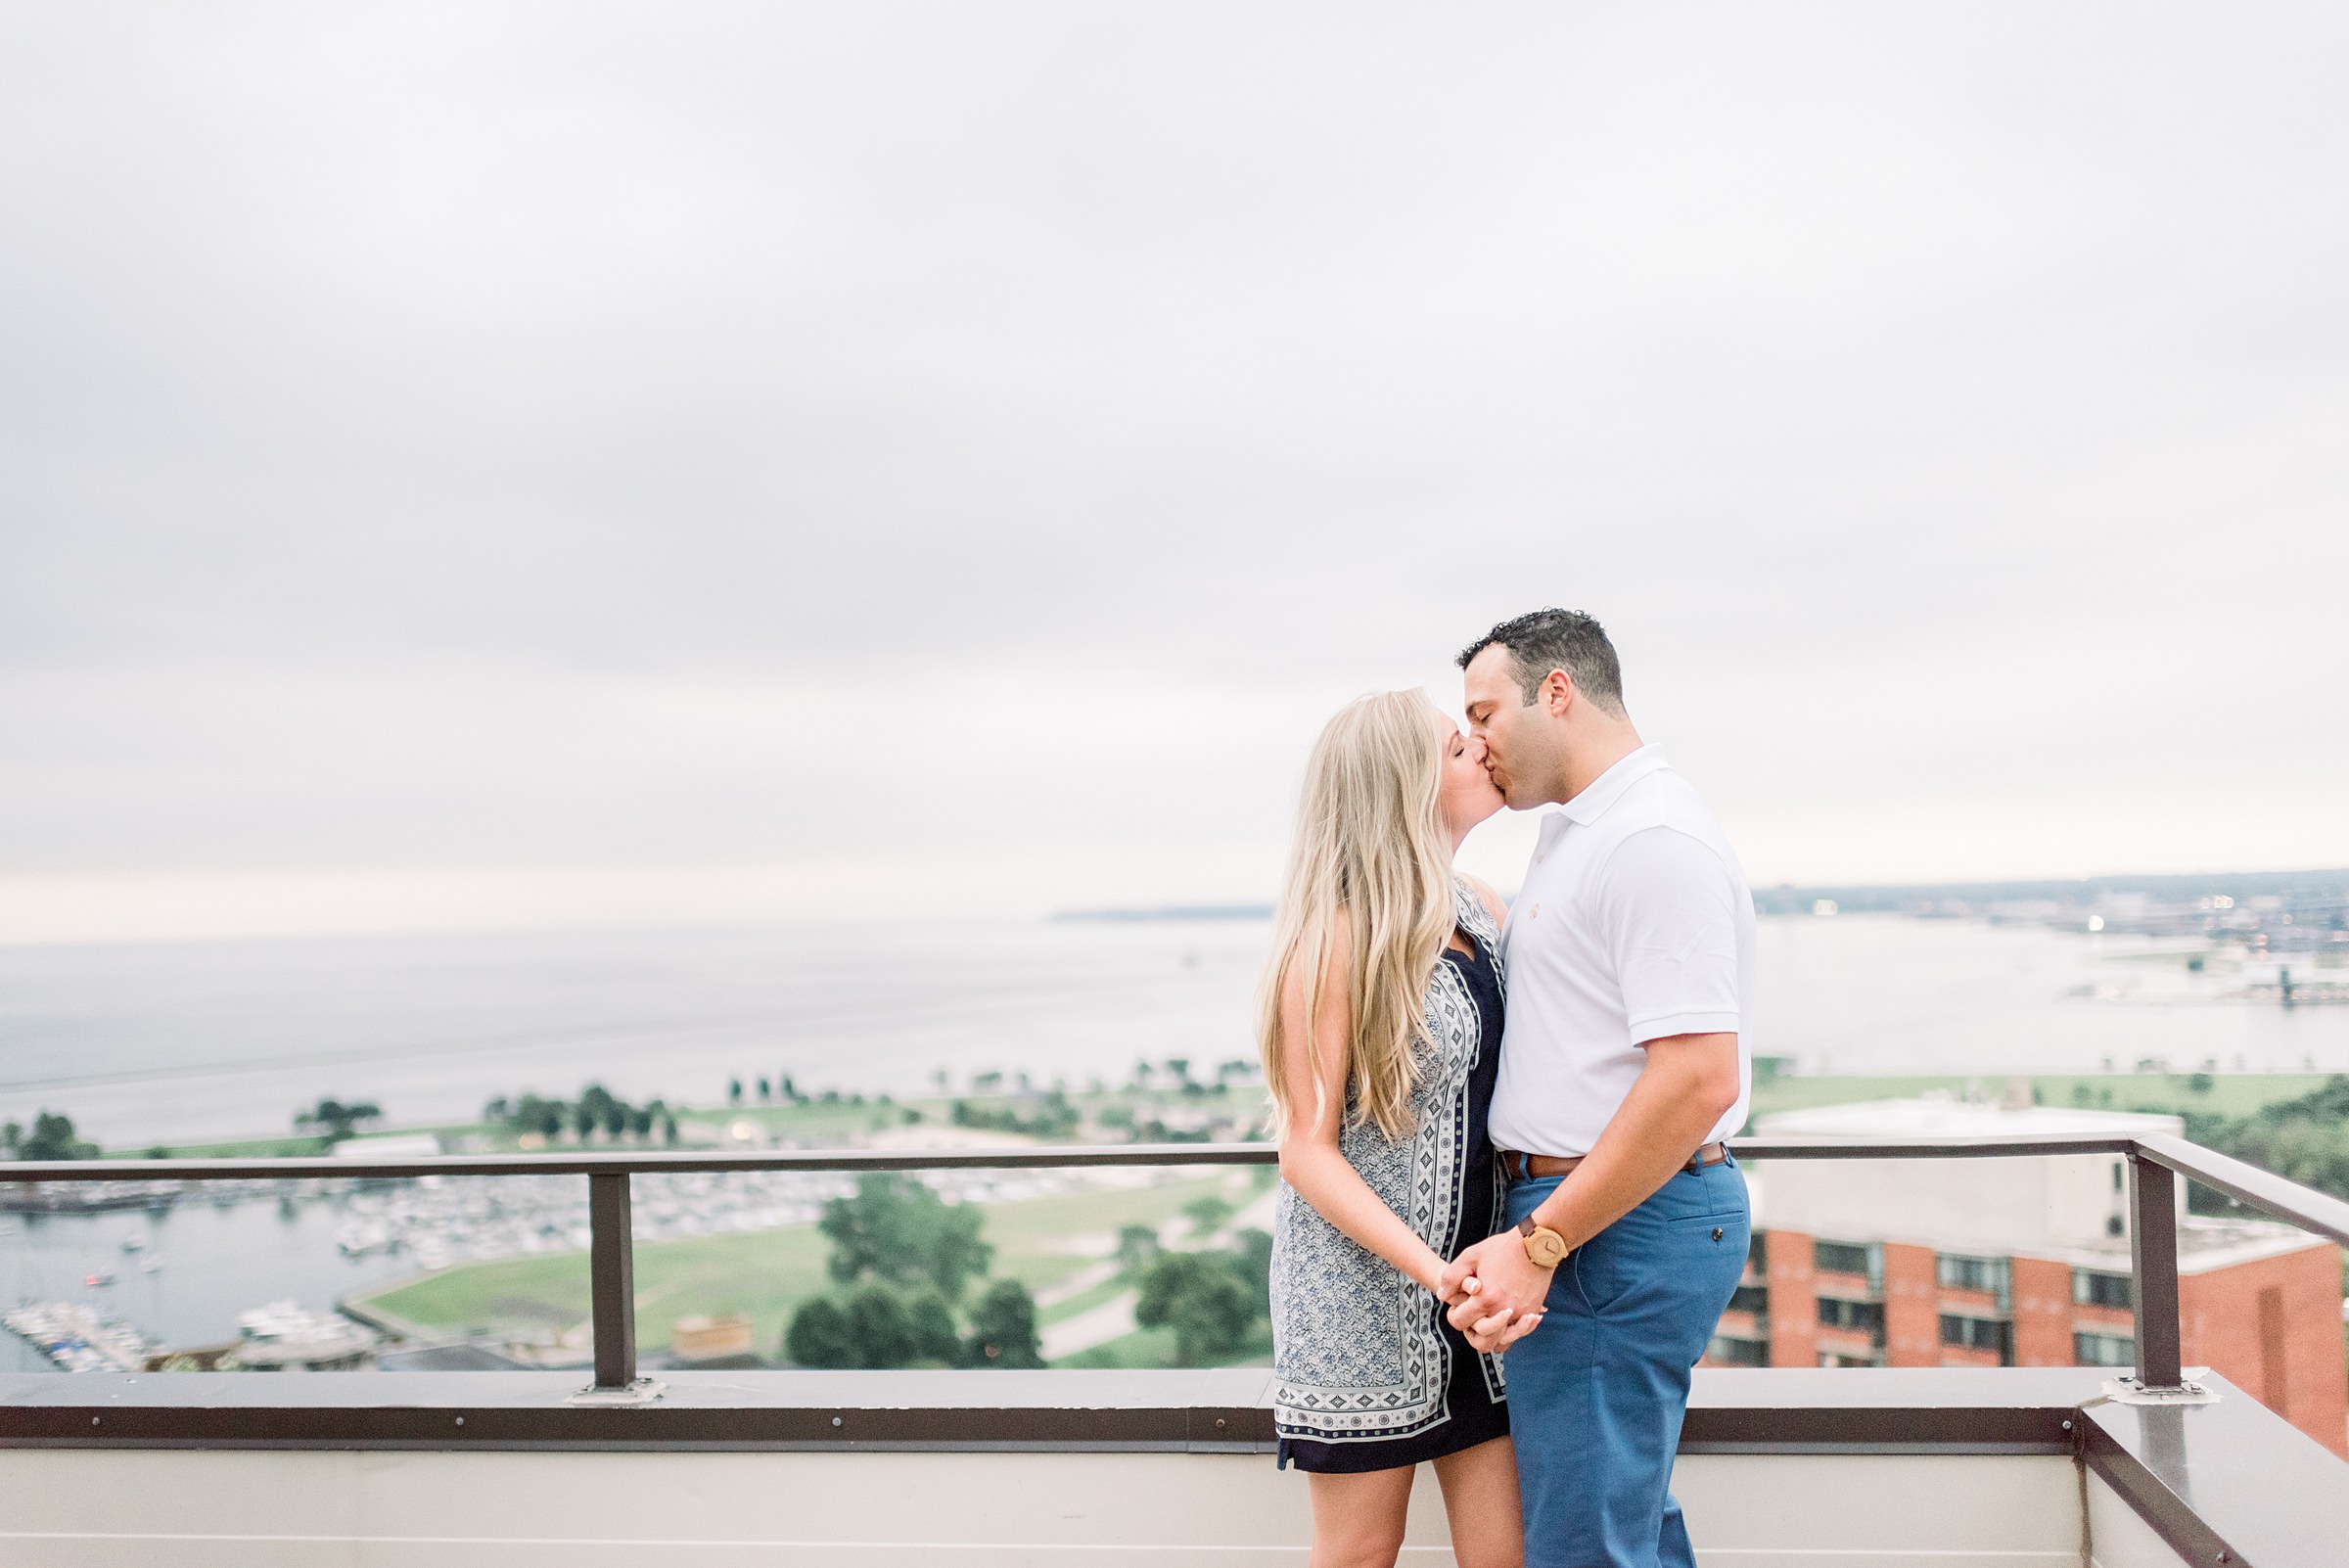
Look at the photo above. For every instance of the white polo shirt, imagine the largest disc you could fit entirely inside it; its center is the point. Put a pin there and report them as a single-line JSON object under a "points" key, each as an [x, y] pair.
{"points": [[1635, 923]]}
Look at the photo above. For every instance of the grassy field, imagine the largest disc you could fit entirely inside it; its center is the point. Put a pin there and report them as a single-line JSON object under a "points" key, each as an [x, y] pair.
{"points": [[288, 1148], [2232, 1094], [765, 1274]]}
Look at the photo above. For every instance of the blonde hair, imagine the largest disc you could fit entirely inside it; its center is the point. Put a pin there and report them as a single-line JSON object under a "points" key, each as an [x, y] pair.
{"points": [[1370, 843]]}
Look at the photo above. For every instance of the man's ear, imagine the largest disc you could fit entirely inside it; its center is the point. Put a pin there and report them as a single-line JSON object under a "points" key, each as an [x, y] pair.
{"points": [[1557, 693]]}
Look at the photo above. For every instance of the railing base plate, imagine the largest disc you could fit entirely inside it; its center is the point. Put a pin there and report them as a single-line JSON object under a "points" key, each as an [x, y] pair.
{"points": [[643, 1390], [2129, 1391]]}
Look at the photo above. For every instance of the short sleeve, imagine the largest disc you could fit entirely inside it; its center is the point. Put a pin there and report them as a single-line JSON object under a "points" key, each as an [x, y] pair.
{"points": [[1670, 907]]}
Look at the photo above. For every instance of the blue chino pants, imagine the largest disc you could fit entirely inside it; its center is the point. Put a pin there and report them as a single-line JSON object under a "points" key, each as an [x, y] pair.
{"points": [[1597, 1394]]}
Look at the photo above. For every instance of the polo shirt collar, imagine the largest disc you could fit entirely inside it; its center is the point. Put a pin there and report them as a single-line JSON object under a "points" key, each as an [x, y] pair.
{"points": [[1606, 789]]}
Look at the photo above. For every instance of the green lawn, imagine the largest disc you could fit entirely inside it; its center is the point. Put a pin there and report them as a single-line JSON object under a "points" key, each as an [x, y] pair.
{"points": [[1085, 1300], [765, 1274], [286, 1149], [1144, 1347], [2231, 1094]]}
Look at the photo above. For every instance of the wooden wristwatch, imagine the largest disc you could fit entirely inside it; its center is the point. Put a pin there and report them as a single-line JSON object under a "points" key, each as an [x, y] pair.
{"points": [[1544, 1248]]}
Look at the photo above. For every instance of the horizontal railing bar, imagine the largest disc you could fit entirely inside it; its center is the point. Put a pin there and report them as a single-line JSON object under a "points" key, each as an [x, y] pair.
{"points": [[1037, 1157], [2259, 1189], [2249, 1185], [1986, 1146], [1040, 1157]]}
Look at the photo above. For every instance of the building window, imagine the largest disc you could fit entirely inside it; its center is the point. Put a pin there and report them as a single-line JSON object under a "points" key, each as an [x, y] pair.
{"points": [[1988, 1275], [2090, 1289], [1975, 1333], [1861, 1316], [1753, 1298], [1728, 1352], [2103, 1350], [1843, 1258]]}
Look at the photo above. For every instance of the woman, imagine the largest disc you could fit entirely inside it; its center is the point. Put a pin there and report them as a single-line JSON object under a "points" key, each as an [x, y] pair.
{"points": [[1380, 1027]]}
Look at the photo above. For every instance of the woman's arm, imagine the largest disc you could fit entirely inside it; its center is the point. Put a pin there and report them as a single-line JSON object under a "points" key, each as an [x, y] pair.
{"points": [[1309, 1158]]}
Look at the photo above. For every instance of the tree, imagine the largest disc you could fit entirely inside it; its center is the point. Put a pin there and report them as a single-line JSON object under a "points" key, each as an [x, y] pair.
{"points": [[594, 1101], [2304, 1139], [872, 1327], [733, 1091], [52, 1138], [933, 1323], [1251, 1259], [898, 1230], [1137, 1246], [1207, 1213], [818, 1335], [880, 1331], [12, 1134], [1204, 1302], [337, 1119], [1003, 1328]]}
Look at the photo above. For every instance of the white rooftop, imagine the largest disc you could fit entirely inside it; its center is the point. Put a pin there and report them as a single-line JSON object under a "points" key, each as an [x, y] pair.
{"points": [[1953, 1118]]}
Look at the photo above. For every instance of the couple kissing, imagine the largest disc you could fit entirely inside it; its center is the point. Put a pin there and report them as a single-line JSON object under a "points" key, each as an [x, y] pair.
{"points": [[1500, 1128]]}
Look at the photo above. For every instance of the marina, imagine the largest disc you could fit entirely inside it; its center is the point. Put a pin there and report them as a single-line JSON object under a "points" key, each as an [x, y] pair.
{"points": [[195, 1271], [77, 1337], [87, 1197]]}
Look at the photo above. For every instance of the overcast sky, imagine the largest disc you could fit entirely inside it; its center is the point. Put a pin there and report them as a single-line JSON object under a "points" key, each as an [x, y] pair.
{"points": [[508, 464]]}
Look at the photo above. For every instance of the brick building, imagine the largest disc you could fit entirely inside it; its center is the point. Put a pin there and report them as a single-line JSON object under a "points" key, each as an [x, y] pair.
{"points": [[2018, 1261]]}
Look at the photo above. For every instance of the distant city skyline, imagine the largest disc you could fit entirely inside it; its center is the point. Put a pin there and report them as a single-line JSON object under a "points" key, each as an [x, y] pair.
{"points": [[492, 468]]}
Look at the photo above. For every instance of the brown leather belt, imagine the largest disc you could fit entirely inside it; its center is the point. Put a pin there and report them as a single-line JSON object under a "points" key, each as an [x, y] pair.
{"points": [[1516, 1165]]}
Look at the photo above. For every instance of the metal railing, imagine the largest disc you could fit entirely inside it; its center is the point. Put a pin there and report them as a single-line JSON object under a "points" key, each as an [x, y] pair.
{"points": [[2155, 1162]]}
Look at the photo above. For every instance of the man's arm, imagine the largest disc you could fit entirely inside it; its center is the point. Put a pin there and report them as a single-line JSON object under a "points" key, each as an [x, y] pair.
{"points": [[1666, 904], [1688, 1085]]}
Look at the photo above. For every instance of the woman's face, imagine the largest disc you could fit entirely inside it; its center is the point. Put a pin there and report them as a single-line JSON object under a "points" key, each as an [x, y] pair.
{"points": [[1469, 795]]}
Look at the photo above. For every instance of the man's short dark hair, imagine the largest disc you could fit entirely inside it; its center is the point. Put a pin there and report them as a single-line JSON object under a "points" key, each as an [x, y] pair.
{"points": [[1557, 639]]}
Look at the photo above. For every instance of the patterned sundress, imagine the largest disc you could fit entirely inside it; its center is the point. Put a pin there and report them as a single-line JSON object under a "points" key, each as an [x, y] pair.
{"points": [[1368, 1374]]}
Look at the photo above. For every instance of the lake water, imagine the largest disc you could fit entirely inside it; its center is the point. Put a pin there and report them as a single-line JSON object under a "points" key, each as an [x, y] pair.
{"points": [[179, 1041]]}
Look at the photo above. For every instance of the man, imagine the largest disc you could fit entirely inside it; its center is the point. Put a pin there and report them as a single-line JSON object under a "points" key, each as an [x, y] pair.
{"points": [[1630, 955]]}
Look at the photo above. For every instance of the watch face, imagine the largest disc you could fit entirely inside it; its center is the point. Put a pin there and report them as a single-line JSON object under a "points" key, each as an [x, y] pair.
{"points": [[1544, 1248]]}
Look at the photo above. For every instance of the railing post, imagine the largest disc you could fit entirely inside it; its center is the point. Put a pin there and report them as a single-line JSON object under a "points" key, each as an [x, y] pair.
{"points": [[2153, 1260], [612, 1272]]}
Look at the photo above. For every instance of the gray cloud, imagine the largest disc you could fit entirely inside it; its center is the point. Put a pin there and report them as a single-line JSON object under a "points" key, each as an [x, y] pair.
{"points": [[555, 436]]}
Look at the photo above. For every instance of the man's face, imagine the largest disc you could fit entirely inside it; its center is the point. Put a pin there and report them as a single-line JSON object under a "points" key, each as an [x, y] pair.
{"points": [[1516, 733]]}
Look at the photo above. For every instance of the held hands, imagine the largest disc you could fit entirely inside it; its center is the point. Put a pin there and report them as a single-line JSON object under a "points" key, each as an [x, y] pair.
{"points": [[1495, 1293]]}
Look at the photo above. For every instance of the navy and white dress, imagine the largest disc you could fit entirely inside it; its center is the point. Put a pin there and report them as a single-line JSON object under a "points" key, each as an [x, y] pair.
{"points": [[1368, 1372]]}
